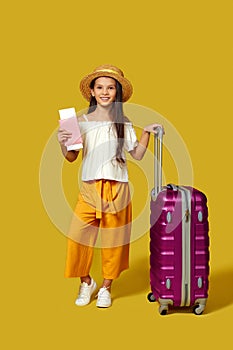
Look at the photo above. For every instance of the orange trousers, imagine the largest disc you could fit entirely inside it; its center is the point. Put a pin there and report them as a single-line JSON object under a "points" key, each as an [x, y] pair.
{"points": [[102, 218]]}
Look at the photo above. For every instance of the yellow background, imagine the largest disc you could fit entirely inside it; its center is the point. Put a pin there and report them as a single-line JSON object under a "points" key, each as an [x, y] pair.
{"points": [[178, 55]]}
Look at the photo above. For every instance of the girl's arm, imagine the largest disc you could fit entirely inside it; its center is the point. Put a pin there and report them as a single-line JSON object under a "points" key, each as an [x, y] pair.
{"points": [[62, 137], [139, 151]]}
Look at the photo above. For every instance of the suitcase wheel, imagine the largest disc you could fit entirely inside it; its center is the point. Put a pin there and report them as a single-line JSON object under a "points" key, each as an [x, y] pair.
{"points": [[151, 297], [198, 309], [163, 310]]}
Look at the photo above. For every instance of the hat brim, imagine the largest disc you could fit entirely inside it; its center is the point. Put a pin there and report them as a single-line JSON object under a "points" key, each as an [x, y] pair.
{"points": [[127, 88]]}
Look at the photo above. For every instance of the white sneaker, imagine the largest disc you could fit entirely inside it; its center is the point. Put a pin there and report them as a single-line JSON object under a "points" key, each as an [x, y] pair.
{"points": [[104, 298], [85, 293]]}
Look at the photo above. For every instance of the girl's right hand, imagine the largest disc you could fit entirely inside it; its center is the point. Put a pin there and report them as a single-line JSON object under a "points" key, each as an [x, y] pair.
{"points": [[63, 136]]}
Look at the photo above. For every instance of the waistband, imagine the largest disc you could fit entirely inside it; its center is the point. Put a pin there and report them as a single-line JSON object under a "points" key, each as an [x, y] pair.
{"points": [[104, 194]]}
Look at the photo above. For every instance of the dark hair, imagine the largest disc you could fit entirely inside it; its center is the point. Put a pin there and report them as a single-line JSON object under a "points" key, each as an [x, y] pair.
{"points": [[117, 115]]}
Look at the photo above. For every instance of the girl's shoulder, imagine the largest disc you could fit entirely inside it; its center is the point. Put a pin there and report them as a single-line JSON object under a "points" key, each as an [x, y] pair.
{"points": [[91, 117], [82, 118]]}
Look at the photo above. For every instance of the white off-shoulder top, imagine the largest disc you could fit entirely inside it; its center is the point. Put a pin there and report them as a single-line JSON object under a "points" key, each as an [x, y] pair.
{"points": [[99, 150]]}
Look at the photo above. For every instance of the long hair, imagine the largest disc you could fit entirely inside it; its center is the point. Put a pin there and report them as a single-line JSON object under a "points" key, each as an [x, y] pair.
{"points": [[118, 118]]}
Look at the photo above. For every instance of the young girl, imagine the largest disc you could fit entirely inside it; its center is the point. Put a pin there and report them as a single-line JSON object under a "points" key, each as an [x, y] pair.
{"points": [[104, 202]]}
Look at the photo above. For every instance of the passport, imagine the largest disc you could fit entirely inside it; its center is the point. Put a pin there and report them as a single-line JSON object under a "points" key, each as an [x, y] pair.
{"points": [[69, 122]]}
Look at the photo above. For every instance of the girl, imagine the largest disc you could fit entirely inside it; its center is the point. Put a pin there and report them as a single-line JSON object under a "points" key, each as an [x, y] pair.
{"points": [[104, 202]]}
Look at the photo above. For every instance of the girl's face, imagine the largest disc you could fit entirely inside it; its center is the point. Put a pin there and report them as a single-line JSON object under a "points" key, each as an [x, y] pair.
{"points": [[104, 91]]}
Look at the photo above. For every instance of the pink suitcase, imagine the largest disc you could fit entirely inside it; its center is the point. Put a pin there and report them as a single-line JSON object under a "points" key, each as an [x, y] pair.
{"points": [[179, 243]]}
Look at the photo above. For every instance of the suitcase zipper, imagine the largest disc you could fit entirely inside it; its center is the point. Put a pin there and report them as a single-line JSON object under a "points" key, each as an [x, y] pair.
{"points": [[186, 200]]}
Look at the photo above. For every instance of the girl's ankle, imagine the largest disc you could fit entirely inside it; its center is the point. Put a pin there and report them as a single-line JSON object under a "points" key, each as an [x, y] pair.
{"points": [[86, 279]]}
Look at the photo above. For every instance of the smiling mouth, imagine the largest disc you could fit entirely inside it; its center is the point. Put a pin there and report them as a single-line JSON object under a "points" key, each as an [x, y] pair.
{"points": [[105, 99]]}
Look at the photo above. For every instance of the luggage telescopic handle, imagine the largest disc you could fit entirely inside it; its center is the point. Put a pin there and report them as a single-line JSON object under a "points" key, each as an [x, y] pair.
{"points": [[158, 160]]}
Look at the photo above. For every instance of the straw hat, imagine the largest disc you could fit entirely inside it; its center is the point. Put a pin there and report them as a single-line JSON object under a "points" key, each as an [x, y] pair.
{"points": [[106, 70]]}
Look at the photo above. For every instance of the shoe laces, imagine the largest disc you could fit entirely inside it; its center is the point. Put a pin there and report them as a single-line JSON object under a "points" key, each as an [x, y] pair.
{"points": [[102, 291]]}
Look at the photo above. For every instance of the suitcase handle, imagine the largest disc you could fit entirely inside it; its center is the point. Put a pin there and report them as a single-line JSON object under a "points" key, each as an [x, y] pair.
{"points": [[158, 161]]}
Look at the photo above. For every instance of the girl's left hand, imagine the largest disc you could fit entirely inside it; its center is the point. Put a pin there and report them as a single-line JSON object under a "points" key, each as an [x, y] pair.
{"points": [[152, 128]]}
